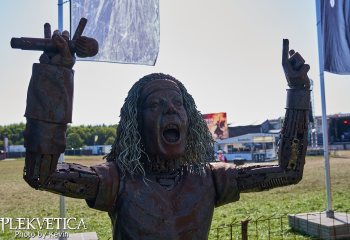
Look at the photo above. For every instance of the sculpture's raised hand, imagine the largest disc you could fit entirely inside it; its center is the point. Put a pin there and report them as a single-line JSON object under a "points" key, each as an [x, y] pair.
{"points": [[293, 136], [294, 68], [64, 57], [59, 50]]}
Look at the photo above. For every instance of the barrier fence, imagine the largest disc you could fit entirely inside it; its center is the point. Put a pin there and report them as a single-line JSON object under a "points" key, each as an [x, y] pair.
{"points": [[277, 227]]}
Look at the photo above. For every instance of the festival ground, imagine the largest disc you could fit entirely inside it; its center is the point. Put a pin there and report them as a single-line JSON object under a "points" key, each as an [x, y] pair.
{"points": [[17, 199]]}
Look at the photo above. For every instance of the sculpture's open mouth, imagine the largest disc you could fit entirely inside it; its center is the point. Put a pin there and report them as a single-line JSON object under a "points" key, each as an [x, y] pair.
{"points": [[171, 133]]}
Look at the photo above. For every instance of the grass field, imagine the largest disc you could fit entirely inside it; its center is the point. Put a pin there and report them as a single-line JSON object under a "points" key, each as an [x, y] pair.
{"points": [[17, 199]]}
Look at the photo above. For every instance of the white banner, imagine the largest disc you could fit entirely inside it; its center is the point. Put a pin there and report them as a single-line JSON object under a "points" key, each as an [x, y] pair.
{"points": [[127, 30]]}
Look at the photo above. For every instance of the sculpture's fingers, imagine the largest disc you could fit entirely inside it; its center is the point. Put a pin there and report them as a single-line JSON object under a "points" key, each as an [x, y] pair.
{"points": [[298, 57], [305, 68], [44, 58], [81, 46], [61, 44], [296, 60], [65, 35], [86, 47], [285, 51], [56, 32], [58, 39], [47, 30], [291, 52]]}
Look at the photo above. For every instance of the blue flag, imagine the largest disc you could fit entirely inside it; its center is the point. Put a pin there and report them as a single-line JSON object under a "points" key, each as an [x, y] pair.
{"points": [[335, 23], [127, 30]]}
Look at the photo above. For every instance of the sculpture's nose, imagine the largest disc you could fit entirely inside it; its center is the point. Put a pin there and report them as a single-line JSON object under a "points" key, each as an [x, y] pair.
{"points": [[170, 108]]}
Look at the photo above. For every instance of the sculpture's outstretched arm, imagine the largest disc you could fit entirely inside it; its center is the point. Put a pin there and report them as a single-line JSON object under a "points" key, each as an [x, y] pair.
{"points": [[48, 111], [293, 137], [68, 179]]}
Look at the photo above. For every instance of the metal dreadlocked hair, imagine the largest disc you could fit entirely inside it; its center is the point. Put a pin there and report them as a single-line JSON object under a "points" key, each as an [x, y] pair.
{"points": [[127, 150]]}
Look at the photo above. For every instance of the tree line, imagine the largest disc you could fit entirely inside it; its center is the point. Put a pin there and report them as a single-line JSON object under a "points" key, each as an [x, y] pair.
{"points": [[77, 136]]}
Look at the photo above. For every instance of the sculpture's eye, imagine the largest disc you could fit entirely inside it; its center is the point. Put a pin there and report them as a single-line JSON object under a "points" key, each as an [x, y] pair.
{"points": [[178, 102], [153, 104]]}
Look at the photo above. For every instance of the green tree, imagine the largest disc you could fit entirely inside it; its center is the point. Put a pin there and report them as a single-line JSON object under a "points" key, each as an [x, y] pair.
{"points": [[74, 141], [109, 141], [77, 136], [14, 133]]}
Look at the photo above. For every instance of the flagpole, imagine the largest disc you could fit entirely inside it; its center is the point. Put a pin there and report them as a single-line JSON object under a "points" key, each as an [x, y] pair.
{"points": [[329, 211], [61, 158]]}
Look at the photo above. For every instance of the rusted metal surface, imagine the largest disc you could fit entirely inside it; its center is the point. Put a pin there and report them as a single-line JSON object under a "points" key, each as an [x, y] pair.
{"points": [[164, 191], [82, 46], [293, 139]]}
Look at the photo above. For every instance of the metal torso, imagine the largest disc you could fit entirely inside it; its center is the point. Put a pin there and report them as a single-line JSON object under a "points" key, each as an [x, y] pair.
{"points": [[185, 212]]}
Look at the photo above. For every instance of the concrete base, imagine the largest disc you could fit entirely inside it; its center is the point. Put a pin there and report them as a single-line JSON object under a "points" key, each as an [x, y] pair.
{"points": [[74, 236], [320, 226]]}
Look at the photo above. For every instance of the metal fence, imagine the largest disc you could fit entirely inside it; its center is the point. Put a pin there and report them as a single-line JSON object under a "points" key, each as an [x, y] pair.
{"points": [[278, 226]]}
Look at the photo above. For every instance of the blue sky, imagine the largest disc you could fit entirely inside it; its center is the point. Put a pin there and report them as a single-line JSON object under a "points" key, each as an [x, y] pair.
{"points": [[227, 53]]}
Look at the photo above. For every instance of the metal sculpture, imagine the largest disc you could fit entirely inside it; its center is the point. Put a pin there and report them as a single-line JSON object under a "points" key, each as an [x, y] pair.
{"points": [[159, 181]]}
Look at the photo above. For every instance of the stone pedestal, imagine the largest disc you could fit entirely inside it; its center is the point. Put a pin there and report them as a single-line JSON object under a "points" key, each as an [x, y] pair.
{"points": [[320, 226]]}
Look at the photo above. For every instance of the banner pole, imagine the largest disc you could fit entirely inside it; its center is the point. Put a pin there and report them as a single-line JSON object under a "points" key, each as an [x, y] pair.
{"points": [[61, 158], [60, 15], [329, 211]]}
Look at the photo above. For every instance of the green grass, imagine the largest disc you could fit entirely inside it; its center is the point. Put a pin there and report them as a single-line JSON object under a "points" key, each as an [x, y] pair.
{"points": [[17, 199], [307, 196]]}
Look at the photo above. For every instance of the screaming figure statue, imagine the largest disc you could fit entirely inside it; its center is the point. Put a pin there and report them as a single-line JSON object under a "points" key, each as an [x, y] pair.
{"points": [[159, 181]]}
